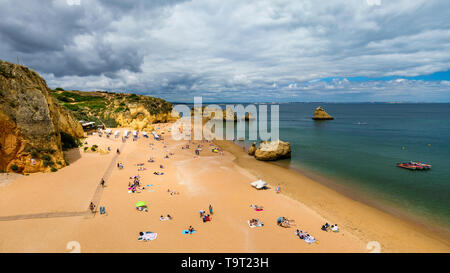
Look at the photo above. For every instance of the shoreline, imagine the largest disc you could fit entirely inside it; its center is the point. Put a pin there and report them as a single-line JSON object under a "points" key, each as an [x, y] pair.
{"points": [[366, 198], [301, 186]]}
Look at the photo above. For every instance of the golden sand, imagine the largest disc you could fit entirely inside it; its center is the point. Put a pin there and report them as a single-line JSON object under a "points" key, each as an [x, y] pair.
{"points": [[220, 180]]}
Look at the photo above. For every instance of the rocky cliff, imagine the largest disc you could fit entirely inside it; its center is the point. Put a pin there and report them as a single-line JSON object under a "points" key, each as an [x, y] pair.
{"points": [[321, 114], [31, 122], [116, 109], [227, 114]]}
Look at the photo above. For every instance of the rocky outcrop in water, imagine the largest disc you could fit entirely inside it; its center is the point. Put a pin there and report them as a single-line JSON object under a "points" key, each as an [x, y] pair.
{"points": [[31, 123], [321, 114], [273, 150]]}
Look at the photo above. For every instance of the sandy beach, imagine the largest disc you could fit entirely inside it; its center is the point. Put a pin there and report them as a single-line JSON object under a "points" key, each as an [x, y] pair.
{"points": [[47, 212]]}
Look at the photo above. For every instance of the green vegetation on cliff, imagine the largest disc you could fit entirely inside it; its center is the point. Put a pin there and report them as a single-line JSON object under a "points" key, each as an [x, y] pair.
{"points": [[69, 142], [103, 107]]}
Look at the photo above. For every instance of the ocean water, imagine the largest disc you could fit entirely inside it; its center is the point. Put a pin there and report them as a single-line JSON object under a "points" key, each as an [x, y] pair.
{"points": [[360, 148]]}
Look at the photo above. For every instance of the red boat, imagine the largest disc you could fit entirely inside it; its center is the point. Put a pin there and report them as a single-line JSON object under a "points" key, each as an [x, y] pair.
{"points": [[414, 166]]}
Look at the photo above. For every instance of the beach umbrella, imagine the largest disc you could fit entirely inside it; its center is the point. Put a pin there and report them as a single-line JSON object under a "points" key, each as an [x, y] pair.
{"points": [[141, 204]]}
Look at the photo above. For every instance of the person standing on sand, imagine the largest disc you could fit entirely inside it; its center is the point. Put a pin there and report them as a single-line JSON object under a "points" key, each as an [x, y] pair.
{"points": [[102, 183], [92, 207], [210, 209], [278, 189]]}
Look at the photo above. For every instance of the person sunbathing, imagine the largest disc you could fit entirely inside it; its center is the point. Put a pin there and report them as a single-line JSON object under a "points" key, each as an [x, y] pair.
{"points": [[325, 227], [299, 233], [255, 223], [256, 207], [335, 228], [191, 229], [309, 239]]}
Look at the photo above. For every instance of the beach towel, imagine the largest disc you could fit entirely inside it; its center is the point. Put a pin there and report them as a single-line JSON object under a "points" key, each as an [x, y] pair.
{"points": [[149, 185], [164, 219], [258, 209], [151, 190], [186, 231], [148, 236]]}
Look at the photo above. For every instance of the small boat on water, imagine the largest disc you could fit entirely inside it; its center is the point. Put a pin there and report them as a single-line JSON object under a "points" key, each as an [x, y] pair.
{"points": [[414, 166]]}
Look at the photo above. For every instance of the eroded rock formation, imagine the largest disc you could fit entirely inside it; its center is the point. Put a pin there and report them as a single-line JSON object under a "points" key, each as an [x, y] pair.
{"points": [[31, 122], [273, 150], [321, 114]]}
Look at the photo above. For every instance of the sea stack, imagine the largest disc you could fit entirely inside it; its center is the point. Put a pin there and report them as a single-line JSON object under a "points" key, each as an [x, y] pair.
{"points": [[33, 127], [321, 114], [273, 150]]}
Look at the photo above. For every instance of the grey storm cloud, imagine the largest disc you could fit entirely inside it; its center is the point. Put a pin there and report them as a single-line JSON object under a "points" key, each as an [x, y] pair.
{"points": [[232, 49]]}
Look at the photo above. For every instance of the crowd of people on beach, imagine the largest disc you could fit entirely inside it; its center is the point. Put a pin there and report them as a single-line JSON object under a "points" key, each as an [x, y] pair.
{"points": [[135, 186]]}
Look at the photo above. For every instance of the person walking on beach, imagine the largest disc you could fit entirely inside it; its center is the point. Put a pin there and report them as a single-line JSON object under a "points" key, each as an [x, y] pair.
{"points": [[278, 189], [118, 152], [102, 183], [92, 207]]}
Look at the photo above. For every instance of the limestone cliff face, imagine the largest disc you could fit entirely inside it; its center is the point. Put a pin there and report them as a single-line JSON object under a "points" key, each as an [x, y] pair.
{"points": [[227, 114], [30, 122], [321, 114], [139, 118], [116, 109]]}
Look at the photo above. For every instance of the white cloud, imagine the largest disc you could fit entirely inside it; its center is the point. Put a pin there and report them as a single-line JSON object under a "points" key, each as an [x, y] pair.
{"points": [[177, 49]]}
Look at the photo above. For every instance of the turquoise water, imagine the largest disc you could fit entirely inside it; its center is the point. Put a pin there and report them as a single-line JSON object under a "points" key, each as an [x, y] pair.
{"points": [[360, 148]]}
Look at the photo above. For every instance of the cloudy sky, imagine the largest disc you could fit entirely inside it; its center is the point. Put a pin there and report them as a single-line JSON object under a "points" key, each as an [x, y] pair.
{"points": [[298, 50]]}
